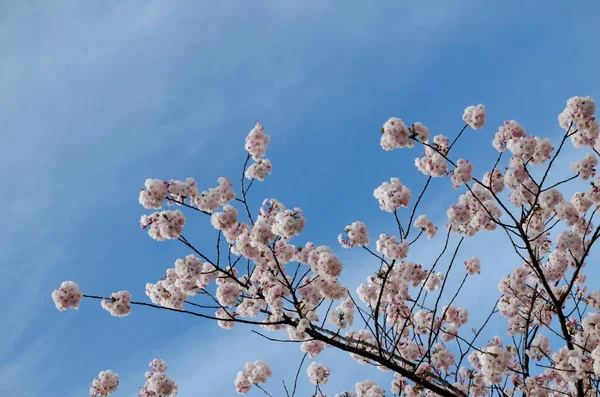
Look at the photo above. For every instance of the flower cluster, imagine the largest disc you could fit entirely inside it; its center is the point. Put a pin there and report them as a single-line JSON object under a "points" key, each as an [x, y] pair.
{"points": [[586, 167], [473, 266], [318, 373], [256, 142], [475, 211], [256, 145], [390, 247], [357, 236], [259, 170], [104, 384], [369, 388], [254, 373], [579, 116], [158, 384], [186, 278], [118, 305], [475, 116], [67, 296], [176, 192], [164, 225], [343, 315], [213, 198], [463, 172], [507, 132], [427, 226], [433, 162], [392, 195], [395, 135]]}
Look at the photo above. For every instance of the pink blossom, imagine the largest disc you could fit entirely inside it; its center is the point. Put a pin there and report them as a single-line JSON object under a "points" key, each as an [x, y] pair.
{"points": [[586, 168], [357, 236], [259, 170], [426, 225], [164, 225], [475, 116], [318, 373], [211, 200], [463, 172], [119, 304], [256, 142], [390, 247], [473, 266], [255, 372], [395, 135], [392, 195], [67, 296], [104, 384]]}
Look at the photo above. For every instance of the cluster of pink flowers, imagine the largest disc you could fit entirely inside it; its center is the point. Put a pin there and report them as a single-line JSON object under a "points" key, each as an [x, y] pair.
{"points": [[493, 361], [186, 278], [164, 225], [158, 384], [510, 130], [395, 290], [395, 135], [178, 192], [390, 247], [228, 293], [494, 181], [441, 358], [67, 296], [473, 266], [256, 142], [531, 150], [312, 347], [474, 212], [579, 115], [357, 236], [586, 167], [287, 223], [369, 388], [540, 348], [118, 305], [259, 170], [392, 195], [215, 197], [419, 132], [475, 116], [318, 373], [343, 315], [254, 373], [104, 384], [157, 191], [433, 162], [426, 225], [256, 145], [463, 172]]}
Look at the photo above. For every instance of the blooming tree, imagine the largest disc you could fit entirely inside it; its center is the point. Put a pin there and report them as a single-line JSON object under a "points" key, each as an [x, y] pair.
{"points": [[261, 276]]}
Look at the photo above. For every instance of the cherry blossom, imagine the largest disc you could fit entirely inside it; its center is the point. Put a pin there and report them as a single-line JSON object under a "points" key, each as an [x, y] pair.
{"points": [[104, 384], [119, 304], [475, 116], [67, 296], [392, 195], [357, 236], [318, 373], [406, 317]]}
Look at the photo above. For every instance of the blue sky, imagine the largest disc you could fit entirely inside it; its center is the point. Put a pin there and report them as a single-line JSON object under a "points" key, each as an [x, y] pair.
{"points": [[97, 96]]}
